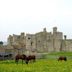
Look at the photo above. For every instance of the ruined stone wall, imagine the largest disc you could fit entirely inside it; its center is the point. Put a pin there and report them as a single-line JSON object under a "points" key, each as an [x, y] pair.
{"points": [[42, 41], [19, 40], [57, 39], [49, 42], [39, 42], [68, 45], [2, 50], [10, 40], [30, 41]]}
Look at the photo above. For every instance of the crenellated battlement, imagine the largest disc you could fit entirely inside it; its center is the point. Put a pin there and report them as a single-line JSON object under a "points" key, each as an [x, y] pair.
{"points": [[41, 42]]}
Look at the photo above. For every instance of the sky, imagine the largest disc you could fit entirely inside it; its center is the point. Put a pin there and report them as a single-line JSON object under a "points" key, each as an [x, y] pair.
{"points": [[31, 16]]}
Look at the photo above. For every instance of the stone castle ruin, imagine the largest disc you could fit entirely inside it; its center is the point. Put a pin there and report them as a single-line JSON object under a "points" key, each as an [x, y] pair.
{"points": [[41, 42]]}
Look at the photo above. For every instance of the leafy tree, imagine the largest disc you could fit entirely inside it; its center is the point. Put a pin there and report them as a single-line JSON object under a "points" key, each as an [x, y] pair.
{"points": [[1, 42]]}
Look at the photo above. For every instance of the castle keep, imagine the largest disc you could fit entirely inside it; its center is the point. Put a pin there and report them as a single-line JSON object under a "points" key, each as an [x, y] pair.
{"points": [[40, 42]]}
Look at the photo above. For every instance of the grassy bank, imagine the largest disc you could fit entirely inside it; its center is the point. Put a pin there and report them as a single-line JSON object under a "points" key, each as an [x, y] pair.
{"points": [[41, 65]]}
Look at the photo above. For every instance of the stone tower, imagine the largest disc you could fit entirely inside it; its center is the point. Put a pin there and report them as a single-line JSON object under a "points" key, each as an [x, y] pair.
{"points": [[41, 42]]}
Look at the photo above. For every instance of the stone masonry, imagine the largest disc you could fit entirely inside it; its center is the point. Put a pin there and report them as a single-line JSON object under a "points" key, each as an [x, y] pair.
{"points": [[40, 42]]}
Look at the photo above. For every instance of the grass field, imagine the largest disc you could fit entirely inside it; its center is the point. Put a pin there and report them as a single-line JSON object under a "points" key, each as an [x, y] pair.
{"points": [[41, 65]]}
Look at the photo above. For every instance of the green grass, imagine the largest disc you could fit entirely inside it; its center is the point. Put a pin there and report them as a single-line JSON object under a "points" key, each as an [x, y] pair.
{"points": [[41, 65], [56, 55], [61, 53]]}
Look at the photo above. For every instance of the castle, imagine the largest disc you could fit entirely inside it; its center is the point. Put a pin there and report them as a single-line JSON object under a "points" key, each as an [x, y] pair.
{"points": [[40, 42]]}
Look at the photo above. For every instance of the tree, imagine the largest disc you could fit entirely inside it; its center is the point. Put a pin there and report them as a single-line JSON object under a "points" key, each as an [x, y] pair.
{"points": [[1, 43]]}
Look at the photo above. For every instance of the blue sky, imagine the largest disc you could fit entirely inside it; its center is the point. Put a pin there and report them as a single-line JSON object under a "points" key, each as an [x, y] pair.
{"points": [[31, 16]]}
